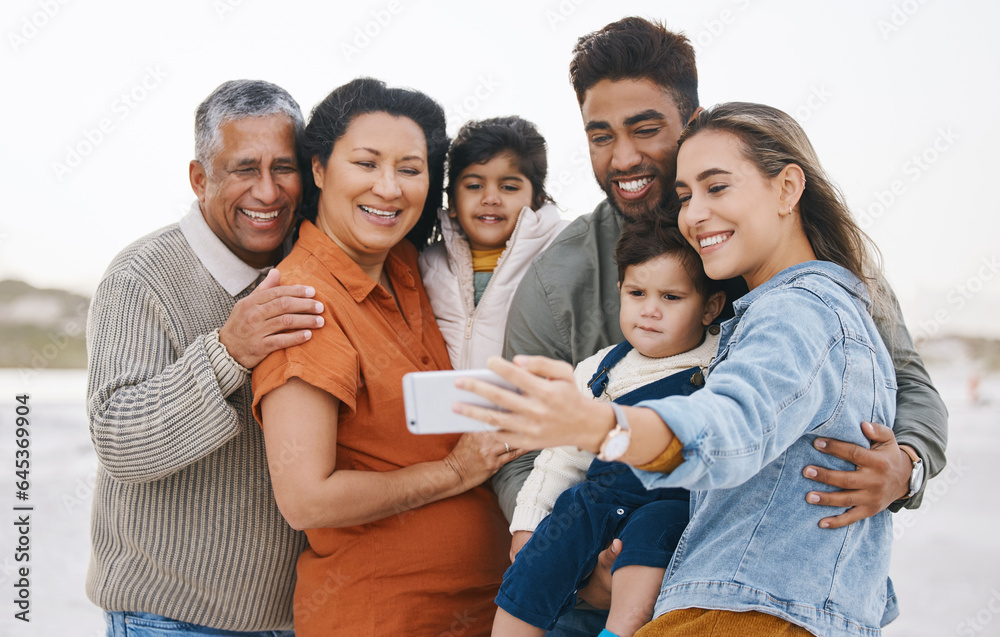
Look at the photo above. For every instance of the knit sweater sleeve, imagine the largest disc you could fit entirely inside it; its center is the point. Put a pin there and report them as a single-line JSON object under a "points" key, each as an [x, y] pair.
{"points": [[153, 407], [556, 470]]}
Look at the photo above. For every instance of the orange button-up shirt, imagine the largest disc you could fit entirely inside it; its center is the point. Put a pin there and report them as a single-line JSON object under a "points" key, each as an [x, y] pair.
{"points": [[421, 572]]}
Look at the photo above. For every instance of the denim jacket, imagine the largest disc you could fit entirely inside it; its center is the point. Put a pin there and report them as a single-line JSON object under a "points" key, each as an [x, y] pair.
{"points": [[800, 359]]}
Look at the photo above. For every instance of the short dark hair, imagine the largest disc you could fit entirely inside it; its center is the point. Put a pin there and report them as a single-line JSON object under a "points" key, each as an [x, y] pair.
{"points": [[480, 141], [330, 119], [635, 48], [651, 237]]}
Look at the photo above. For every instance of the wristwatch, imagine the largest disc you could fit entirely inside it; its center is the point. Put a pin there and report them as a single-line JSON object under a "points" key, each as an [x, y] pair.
{"points": [[617, 441], [917, 474]]}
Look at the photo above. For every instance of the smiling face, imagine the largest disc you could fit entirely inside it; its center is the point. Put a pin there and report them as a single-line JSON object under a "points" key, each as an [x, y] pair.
{"points": [[735, 217], [489, 198], [632, 129], [373, 186], [249, 196], [662, 312]]}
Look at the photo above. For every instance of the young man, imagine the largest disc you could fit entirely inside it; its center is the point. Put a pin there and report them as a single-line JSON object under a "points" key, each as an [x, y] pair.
{"points": [[185, 533]]}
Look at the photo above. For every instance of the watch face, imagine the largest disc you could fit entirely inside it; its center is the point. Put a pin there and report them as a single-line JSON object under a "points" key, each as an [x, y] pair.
{"points": [[617, 446], [916, 477]]}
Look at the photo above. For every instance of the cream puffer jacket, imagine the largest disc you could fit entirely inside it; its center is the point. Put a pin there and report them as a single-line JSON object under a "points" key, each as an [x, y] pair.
{"points": [[474, 333]]}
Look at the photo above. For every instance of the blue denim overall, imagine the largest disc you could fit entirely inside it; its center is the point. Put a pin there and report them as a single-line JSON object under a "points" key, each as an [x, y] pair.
{"points": [[611, 503]]}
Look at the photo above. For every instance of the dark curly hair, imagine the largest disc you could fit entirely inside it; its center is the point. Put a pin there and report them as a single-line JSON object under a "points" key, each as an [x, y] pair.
{"points": [[652, 236], [480, 141], [633, 49], [330, 119]]}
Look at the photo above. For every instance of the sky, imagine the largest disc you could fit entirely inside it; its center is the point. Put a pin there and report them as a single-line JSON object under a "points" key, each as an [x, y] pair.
{"points": [[898, 97]]}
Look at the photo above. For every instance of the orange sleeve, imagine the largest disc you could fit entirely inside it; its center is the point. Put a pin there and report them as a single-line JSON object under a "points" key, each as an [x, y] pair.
{"points": [[328, 361], [667, 461]]}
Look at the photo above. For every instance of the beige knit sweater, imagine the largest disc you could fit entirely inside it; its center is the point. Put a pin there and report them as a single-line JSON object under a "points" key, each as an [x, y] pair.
{"points": [[184, 523]]}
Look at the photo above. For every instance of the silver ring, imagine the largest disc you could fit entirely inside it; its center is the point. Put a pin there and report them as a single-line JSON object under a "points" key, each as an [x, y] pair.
{"points": [[507, 447]]}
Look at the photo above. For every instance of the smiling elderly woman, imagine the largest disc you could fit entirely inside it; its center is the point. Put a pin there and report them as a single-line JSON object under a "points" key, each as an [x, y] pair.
{"points": [[403, 537]]}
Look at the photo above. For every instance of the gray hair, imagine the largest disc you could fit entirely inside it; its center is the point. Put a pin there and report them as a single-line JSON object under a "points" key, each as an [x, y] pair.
{"points": [[237, 99]]}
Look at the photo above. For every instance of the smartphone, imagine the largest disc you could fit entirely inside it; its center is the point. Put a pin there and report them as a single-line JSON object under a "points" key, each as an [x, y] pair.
{"points": [[428, 397]]}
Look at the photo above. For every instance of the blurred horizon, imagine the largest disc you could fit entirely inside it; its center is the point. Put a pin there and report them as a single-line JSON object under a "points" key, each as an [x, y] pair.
{"points": [[103, 129]]}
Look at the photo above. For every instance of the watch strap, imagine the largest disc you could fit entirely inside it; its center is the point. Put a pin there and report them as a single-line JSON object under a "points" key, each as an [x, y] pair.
{"points": [[916, 472]]}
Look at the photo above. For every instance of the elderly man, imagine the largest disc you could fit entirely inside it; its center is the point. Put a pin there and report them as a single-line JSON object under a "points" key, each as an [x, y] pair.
{"points": [[185, 533], [637, 87]]}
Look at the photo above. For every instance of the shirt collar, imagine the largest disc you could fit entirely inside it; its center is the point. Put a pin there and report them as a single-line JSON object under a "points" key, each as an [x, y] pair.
{"points": [[358, 284], [838, 274], [232, 272]]}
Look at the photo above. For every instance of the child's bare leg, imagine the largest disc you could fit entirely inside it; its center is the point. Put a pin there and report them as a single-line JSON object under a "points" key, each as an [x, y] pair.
{"points": [[634, 590], [506, 625]]}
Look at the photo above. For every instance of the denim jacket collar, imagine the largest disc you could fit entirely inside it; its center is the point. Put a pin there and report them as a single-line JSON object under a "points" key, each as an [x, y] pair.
{"points": [[839, 274]]}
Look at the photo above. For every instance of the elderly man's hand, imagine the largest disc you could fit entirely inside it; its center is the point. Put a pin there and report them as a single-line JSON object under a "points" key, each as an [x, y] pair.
{"points": [[272, 317]]}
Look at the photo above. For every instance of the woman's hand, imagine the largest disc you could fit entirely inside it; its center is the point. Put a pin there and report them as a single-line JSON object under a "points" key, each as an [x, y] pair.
{"points": [[478, 455], [549, 411]]}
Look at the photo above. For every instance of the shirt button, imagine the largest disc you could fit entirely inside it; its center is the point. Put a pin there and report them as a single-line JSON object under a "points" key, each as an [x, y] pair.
{"points": [[425, 360]]}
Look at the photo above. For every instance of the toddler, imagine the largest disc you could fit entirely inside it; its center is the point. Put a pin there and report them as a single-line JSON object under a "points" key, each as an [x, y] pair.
{"points": [[498, 218], [573, 505]]}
